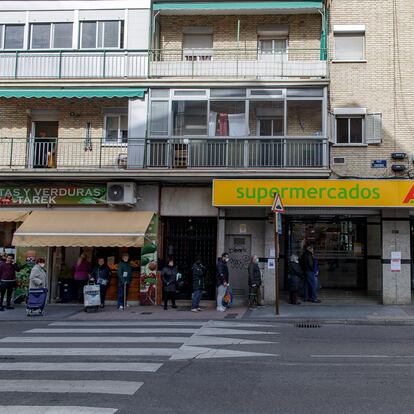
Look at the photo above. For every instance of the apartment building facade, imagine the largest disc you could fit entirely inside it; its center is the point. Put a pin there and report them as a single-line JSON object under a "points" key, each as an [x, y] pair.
{"points": [[169, 98]]}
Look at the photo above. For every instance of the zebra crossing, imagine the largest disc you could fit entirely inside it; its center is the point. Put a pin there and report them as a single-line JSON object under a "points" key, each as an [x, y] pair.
{"points": [[123, 353]]}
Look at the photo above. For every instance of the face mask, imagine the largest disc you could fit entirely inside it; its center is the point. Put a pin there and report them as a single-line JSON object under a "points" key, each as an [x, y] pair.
{"points": [[226, 259], [256, 261], [42, 265]]}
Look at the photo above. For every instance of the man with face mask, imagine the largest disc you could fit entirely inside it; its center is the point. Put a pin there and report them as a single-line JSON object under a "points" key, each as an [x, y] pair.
{"points": [[124, 280], [8, 271], [255, 281], [222, 279]]}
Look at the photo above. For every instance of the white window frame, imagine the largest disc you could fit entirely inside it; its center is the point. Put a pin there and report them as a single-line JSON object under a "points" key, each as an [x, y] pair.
{"points": [[350, 29], [3, 37], [119, 142], [52, 36], [103, 34], [349, 143], [273, 39]]}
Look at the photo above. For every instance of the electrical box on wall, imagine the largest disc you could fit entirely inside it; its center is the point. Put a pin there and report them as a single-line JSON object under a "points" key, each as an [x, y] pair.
{"points": [[398, 168]]}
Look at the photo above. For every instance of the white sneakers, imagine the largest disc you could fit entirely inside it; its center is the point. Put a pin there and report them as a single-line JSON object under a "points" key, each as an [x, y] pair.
{"points": [[121, 308], [221, 309]]}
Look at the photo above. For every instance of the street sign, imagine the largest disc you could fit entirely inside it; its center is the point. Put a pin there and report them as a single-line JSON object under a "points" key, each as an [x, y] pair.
{"points": [[277, 206]]}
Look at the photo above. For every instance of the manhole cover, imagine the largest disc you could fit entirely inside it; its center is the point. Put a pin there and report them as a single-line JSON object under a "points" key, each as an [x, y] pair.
{"points": [[184, 308], [146, 313], [307, 325], [231, 316]]}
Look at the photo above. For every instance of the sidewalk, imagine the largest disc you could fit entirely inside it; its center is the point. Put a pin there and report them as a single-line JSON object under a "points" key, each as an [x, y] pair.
{"points": [[328, 312]]}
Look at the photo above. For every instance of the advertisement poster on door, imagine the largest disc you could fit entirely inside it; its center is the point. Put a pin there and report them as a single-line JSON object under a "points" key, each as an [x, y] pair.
{"points": [[149, 289]]}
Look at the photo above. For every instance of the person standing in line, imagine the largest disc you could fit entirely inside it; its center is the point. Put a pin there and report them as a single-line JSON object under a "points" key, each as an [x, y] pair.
{"points": [[255, 281], [38, 278], [8, 271], [169, 283], [222, 280], [124, 280], [198, 271], [81, 271], [295, 276], [102, 275], [308, 267]]}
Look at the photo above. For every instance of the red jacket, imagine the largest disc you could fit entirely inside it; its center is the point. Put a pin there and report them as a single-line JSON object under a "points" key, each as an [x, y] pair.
{"points": [[8, 271]]}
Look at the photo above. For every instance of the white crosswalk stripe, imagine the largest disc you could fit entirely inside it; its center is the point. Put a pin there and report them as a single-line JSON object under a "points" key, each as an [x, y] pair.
{"points": [[108, 341]]}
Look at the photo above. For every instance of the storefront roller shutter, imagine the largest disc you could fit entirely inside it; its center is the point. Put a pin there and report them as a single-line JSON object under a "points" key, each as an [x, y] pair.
{"points": [[373, 128]]}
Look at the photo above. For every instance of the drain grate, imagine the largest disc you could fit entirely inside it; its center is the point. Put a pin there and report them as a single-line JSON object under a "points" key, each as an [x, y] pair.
{"points": [[146, 313], [231, 316], [307, 325]]}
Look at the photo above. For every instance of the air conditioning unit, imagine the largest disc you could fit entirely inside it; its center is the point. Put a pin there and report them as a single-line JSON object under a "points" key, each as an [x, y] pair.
{"points": [[121, 193]]}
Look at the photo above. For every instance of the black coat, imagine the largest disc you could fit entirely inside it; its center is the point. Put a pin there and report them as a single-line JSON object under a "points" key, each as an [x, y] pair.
{"points": [[255, 277], [307, 262], [169, 279], [100, 273], [222, 272], [296, 276], [198, 271]]}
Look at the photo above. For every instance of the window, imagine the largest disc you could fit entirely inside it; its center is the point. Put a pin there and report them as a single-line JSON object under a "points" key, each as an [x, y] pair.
{"points": [[51, 36], [270, 127], [349, 130], [349, 42], [102, 35], [189, 118], [197, 46], [11, 36], [116, 129], [227, 119], [159, 118], [272, 46]]}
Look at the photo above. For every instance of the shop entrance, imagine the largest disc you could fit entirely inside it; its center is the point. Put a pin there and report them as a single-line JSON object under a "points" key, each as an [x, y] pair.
{"points": [[184, 239], [340, 248], [239, 248]]}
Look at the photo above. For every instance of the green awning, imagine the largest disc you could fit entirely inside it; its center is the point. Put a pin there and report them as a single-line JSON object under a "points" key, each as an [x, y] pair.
{"points": [[238, 5], [73, 93]]}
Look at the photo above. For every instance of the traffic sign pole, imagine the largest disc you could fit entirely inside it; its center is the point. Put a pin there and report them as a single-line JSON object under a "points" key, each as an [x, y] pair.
{"points": [[277, 208], [277, 295]]}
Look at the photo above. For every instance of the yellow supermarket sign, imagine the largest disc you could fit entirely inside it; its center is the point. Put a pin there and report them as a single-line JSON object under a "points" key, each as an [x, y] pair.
{"points": [[314, 193]]}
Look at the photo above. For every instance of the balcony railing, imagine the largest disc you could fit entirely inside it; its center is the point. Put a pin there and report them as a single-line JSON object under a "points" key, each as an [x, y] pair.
{"points": [[238, 63], [226, 152], [74, 64], [163, 153]]}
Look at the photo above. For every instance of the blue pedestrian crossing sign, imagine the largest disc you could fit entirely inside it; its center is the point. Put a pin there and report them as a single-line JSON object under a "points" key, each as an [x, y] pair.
{"points": [[277, 206]]}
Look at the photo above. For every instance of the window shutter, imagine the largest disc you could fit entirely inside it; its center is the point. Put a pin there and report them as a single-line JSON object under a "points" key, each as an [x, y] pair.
{"points": [[331, 128], [373, 128]]}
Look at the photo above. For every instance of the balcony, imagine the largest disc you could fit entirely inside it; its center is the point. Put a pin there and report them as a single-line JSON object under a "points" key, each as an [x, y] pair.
{"points": [[238, 64], [111, 64], [80, 154]]}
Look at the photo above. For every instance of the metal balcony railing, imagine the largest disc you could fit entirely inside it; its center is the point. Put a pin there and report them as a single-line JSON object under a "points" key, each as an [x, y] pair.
{"points": [[68, 64], [226, 152], [238, 63], [165, 153]]}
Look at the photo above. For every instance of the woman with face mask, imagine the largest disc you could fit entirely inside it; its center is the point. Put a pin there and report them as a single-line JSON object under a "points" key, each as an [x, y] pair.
{"points": [[38, 278], [255, 281]]}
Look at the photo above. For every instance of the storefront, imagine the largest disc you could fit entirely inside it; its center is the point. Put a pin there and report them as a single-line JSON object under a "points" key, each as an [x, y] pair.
{"points": [[359, 229], [63, 221]]}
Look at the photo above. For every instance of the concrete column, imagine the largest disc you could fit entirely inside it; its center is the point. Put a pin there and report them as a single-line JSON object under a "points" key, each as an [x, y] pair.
{"points": [[374, 255], [396, 286], [221, 231]]}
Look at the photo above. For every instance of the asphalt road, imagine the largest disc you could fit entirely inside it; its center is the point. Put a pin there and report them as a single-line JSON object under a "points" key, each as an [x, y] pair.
{"points": [[204, 367]]}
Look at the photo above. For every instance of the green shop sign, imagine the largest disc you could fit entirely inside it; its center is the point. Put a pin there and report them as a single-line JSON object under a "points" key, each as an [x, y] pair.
{"points": [[54, 195]]}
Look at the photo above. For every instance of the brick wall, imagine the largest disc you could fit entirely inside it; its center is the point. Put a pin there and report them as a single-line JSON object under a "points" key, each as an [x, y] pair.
{"points": [[371, 85], [304, 32], [15, 123]]}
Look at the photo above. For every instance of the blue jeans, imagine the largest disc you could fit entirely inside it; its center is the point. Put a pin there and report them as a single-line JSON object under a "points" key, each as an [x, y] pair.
{"points": [[309, 286], [121, 294], [195, 304]]}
